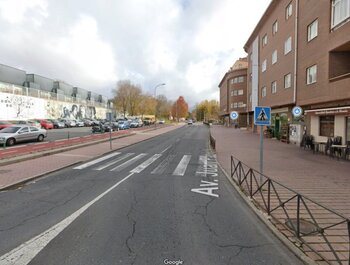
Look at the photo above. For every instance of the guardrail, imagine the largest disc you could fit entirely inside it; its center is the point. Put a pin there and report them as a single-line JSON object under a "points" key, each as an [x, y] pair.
{"points": [[322, 233]]}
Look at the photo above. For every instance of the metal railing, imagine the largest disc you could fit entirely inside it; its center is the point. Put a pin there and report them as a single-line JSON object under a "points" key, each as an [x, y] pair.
{"points": [[37, 93], [311, 226]]}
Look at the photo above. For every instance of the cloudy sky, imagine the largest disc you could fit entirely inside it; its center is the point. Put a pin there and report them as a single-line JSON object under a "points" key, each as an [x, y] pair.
{"points": [[187, 44]]}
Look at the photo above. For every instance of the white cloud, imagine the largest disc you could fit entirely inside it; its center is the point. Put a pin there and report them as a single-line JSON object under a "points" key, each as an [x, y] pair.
{"points": [[18, 11], [83, 46], [188, 44]]}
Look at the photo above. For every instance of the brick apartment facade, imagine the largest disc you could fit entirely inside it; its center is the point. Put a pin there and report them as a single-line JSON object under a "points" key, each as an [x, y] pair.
{"points": [[299, 55], [233, 94]]}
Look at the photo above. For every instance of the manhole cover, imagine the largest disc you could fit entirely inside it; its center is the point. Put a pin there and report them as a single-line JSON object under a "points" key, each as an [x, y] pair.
{"points": [[305, 226]]}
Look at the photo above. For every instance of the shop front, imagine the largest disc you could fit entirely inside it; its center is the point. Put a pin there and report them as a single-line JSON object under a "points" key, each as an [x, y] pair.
{"points": [[330, 122], [280, 119]]}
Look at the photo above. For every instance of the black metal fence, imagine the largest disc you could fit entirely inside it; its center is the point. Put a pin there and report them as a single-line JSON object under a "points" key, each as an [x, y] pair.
{"points": [[322, 233]]}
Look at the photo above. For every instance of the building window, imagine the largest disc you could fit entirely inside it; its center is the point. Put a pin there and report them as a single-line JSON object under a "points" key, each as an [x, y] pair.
{"points": [[340, 11], [231, 105], [312, 30], [235, 92], [274, 28], [274, 87], [327, 126], [288, 45], [311, 73], [264, 40], [231, 93], [240, 92], [288, 80], [274, 57], [240, 79], [289, 11], [263, 66], [263, 91], [235, 105], [241, 104]]}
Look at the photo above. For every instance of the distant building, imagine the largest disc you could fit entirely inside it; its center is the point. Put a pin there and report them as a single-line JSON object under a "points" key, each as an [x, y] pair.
{"points": [[233, 93]]}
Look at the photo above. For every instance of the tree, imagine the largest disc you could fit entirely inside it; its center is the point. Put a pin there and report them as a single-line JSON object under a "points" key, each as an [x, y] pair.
{"points": [[147, 105], [207, 110], [163, 106], [135, 97], [180, 108], [121, 98]]}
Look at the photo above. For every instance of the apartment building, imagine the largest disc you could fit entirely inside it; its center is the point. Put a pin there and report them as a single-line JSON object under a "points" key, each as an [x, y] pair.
{"points": [[233, 93], [324, 67], [299, 55], [272, 63]]}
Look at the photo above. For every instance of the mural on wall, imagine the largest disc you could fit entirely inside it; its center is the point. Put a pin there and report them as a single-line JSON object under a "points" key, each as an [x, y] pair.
{"points": [[20, 107], [14, 107]]}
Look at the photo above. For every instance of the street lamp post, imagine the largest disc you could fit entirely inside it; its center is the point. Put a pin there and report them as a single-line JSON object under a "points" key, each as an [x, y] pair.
{"points": [[155, 96]]}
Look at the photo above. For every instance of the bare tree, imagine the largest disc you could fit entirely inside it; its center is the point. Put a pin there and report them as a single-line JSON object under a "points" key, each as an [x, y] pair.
{"points": [[135, 97]]}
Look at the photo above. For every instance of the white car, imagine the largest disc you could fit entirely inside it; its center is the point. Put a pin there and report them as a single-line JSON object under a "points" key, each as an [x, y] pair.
{"points": [[21, 133]]}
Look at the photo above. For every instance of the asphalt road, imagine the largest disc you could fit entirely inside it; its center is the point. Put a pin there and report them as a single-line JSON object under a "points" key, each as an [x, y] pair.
{"points": [[162, 201]]}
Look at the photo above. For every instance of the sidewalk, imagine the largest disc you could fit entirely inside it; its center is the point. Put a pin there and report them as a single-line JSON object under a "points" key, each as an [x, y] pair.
{"points": [[19, 172], [321, 178]]}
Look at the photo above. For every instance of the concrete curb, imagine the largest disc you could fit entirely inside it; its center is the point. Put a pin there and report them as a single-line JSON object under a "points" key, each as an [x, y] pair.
{"points": [[263, 217]]}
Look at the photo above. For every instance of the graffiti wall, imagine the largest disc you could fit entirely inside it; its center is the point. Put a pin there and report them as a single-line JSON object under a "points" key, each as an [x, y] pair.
{"points": [[15, 107]]}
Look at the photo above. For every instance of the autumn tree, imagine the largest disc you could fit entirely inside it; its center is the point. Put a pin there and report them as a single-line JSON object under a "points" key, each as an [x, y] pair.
{"points": [[163, 106], [207, 110], [147, 104], [180, 108], [127, 97]]}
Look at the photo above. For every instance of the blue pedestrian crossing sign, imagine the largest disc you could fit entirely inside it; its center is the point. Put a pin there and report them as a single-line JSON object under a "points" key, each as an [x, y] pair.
{"points": [[262, 116], [234, 115]]}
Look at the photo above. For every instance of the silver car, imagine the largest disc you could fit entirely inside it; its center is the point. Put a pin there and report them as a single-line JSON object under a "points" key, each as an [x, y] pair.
{"points": [[21, 133]]}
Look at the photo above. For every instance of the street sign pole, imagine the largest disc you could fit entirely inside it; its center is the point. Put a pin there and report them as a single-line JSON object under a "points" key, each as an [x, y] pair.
{"points": [[261, 152], [262, 117]]}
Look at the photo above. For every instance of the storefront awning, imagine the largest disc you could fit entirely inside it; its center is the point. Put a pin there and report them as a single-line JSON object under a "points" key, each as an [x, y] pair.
{"points": [[329, 111]]}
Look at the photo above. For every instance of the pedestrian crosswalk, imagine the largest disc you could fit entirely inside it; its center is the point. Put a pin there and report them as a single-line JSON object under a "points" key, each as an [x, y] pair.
{"points": [[174, 164]]}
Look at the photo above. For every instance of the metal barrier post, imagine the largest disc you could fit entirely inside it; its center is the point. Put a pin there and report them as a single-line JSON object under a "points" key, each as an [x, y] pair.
{"points": [[268, 196], [298, 215], [348, 221], [251, 184]]}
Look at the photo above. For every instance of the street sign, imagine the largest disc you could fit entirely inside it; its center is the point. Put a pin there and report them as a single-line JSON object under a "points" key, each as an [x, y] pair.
{"points": [[234, 115], [262, 116], [297, 111]]}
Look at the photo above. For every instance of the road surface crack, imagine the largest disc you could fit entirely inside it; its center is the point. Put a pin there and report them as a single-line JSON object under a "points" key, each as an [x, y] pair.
{"points": [[198, 211], [131, 236]]}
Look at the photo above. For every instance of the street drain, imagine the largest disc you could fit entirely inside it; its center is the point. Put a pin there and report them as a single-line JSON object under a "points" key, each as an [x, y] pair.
{"points": [[306, 227]]}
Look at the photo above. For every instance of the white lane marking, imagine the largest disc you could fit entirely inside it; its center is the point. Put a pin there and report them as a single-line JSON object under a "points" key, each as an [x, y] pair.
{"points": [[202, 168], [182, 166], [114, 161], [162, 166], [145, 164], [24, 253], [93, 162], [165, 149], [128, 163]]}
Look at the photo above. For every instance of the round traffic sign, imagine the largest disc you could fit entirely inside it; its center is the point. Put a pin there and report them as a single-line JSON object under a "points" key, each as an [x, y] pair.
{"points": [[297, 111], [234, 115]]}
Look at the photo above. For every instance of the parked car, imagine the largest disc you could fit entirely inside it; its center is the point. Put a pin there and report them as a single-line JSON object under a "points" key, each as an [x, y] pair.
{"points": [[161, 121], [136, 123], [21, 133], [122, 125], [79, 123], [189, 122], [34, 123], [148, 121], [111, 126], [57, 124], [4, 124], [45, 124], [87, 122], [68, 123]]}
